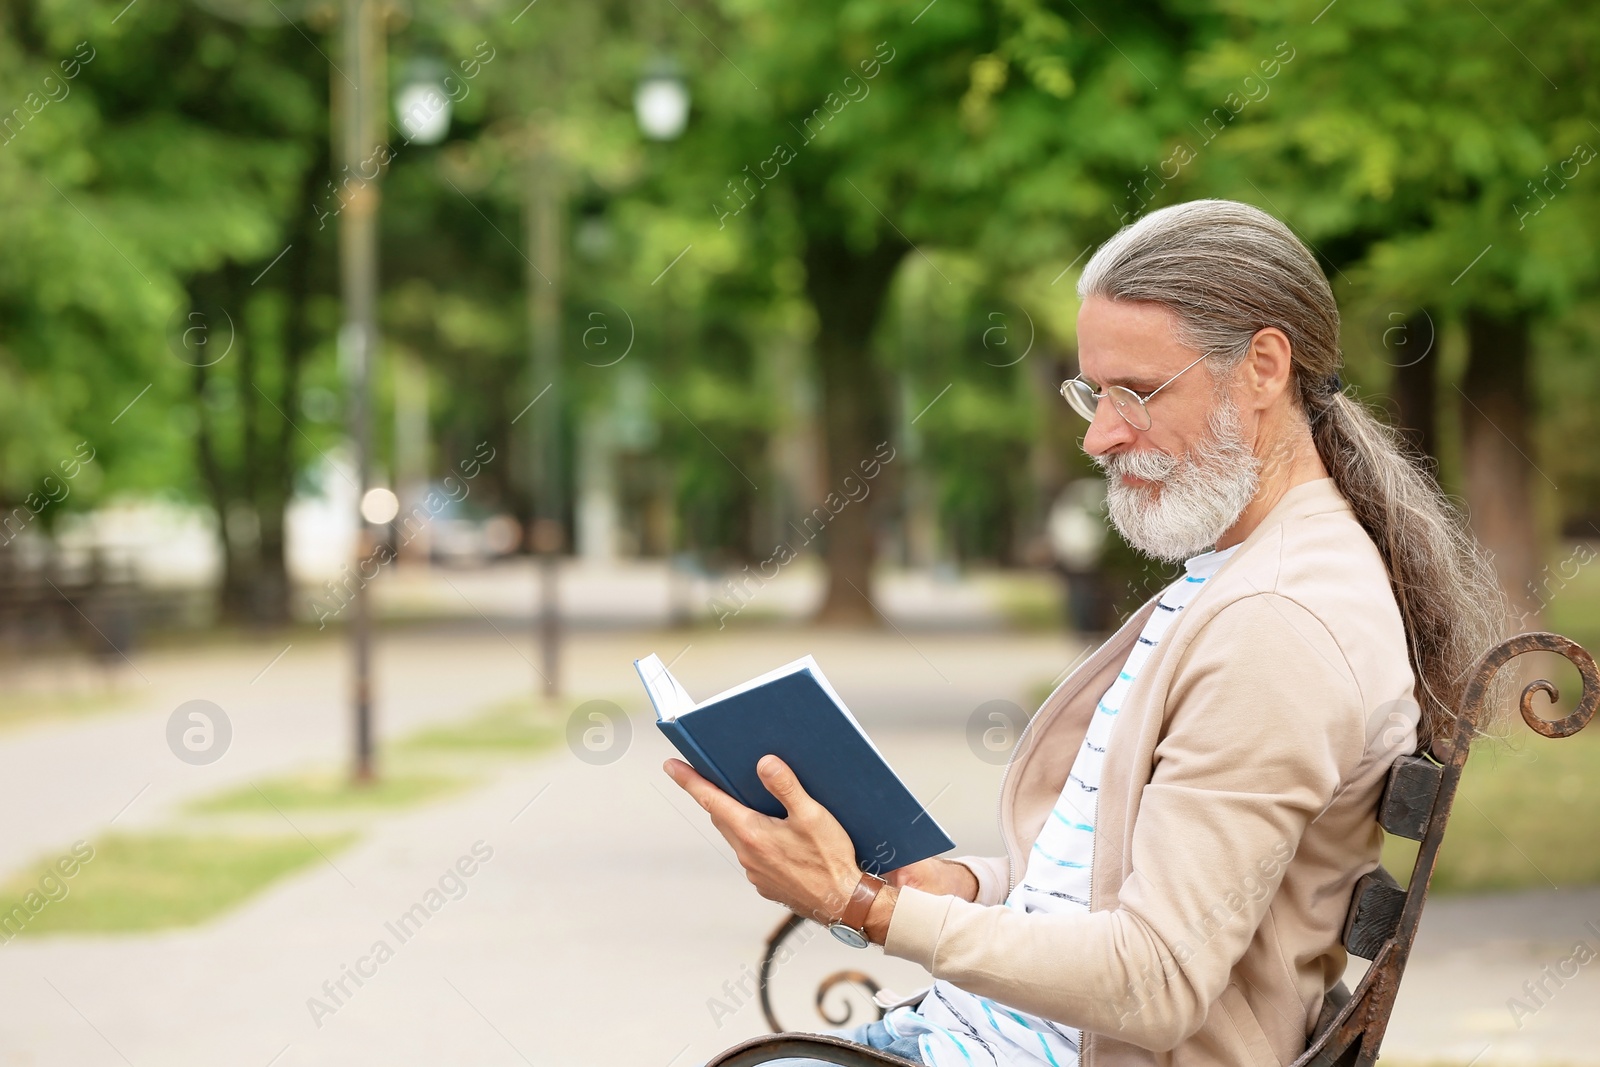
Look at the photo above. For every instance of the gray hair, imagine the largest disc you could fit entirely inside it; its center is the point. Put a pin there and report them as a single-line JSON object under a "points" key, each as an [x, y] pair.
{"points": [[1226, 270]]}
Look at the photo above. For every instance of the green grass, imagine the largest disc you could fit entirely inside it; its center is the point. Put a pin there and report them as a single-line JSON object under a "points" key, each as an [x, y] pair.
{"points": [[156, 881], [1031, 602], [1522, 819], [19, 708], [1572, 606], [517, 726], [330, 792], [163, 879]]}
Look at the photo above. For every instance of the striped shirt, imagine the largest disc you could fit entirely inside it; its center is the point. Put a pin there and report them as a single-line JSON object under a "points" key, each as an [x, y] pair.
{"points": [[960, 1029]]}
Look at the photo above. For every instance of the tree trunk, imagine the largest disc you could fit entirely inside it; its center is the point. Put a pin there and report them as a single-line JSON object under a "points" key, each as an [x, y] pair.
{"points": [[275, 488], [1500, 474], [1416, 389], [847, 288], [222, 486]]}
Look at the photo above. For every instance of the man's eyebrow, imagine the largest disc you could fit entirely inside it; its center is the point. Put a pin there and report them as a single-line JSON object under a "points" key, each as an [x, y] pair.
{"points": [[1137, 384]]}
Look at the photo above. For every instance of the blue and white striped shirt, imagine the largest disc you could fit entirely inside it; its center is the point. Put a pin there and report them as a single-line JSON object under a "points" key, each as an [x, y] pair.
{"points": [[960, 1029]]}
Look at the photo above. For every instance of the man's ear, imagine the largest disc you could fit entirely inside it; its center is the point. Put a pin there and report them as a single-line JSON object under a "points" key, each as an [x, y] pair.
{"points": [[1266, 368]]}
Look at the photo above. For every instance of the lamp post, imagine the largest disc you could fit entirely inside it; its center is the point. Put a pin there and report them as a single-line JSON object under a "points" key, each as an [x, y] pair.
{"points": [[358, 337], [548, 528], [425, 112]]}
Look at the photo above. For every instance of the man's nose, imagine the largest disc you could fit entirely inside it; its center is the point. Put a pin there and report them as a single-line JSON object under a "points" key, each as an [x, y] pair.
{"points": [[1108, 431]]}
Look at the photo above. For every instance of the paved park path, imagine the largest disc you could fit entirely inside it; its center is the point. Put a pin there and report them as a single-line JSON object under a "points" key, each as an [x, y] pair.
{"points": [[604, 923]]}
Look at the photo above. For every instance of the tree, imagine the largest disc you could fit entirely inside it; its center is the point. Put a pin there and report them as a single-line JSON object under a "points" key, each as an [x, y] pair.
{"points": [[249, 120], [1426, 152], [185, 197], [871, 136]]}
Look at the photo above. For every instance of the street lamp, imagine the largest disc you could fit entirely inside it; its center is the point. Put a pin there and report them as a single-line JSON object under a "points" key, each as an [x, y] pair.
{"points": [[661, 107], [422, 104], [422, 112], [661, 101]]}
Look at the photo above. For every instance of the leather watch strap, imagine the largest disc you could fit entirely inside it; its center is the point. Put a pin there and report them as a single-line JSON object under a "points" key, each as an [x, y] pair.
{"points": [[860, 902]]}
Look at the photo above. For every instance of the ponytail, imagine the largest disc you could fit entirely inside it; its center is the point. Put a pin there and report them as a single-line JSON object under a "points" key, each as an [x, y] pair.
{"points": [[1449, 599]]}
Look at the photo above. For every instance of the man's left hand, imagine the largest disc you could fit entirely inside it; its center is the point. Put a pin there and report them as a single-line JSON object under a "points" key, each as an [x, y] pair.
{"points": [[805, 862]]}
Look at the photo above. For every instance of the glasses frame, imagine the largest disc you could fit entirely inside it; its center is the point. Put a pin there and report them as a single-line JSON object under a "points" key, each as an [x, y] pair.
{"points": [[1075, 391]]}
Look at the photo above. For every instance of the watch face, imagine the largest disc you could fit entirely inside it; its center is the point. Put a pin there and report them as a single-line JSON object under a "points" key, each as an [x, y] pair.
{"points": [[849, 935]]}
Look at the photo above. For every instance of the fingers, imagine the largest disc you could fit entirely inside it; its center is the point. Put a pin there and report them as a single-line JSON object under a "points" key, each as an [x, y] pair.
{"points": [[782, 783], [718, 804], [914, 875]]}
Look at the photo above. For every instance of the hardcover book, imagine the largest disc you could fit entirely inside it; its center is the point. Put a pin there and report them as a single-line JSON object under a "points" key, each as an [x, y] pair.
{"points": [[793, 713]]}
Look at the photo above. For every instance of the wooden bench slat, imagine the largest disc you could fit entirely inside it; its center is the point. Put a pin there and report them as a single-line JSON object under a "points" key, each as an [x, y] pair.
{"points": [[1408, 797], [1374, 913]]}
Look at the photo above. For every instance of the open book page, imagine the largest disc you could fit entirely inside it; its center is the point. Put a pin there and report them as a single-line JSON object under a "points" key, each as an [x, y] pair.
{"points": [[668, 696]]}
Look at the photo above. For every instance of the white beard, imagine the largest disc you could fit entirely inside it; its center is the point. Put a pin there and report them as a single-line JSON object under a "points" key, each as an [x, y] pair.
{"points": [[1200, 494]]}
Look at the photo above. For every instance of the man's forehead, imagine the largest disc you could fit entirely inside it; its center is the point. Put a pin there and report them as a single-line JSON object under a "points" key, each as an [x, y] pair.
{"points": [[1128, 343]]}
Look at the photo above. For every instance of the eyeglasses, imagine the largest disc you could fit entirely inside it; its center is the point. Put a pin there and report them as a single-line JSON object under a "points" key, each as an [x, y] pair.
{"points": [[1129, 404]]}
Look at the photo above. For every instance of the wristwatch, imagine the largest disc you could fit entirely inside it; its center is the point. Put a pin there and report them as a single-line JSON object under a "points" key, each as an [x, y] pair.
{"points": [[851, 927]]}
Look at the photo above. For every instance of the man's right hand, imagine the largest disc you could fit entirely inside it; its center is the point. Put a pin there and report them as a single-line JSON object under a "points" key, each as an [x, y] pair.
{"points": [[940, 877]]}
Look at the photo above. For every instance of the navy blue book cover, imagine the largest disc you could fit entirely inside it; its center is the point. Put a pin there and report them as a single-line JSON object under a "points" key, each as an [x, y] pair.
{"points": [[794, 718]]}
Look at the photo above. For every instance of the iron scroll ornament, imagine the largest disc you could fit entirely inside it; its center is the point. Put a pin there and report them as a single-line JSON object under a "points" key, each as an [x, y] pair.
{"points": [[1349, 1033], [769, 960], [1575, 654]]}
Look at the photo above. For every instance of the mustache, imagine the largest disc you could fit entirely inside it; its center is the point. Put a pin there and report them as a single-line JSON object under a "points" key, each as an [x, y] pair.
{"points": [[1147, 465]]}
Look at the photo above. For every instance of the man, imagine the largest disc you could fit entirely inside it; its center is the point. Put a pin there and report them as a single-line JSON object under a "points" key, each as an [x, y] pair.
{"points": [[1187, 814]]}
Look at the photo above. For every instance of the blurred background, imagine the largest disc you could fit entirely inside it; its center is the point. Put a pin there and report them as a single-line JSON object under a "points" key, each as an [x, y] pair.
{"points": [[379, 378]]}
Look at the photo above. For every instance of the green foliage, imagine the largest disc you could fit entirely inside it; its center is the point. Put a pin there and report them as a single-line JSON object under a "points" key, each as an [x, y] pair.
{"points": [[1423, 148]]}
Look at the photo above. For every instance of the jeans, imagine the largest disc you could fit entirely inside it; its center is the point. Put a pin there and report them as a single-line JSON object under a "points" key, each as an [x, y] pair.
{"points": [[874, 1035]]}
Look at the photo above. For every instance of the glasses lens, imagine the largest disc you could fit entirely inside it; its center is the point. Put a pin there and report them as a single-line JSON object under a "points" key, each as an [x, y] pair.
{"points": [[1080, 396], [1130, 407]]}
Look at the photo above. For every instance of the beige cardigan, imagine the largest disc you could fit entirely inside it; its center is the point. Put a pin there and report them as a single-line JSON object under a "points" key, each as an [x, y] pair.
{"points": [[1236, 811]]}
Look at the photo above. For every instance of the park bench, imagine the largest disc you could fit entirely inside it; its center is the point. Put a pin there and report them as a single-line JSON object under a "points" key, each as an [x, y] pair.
{"points": [[1381, 924]]}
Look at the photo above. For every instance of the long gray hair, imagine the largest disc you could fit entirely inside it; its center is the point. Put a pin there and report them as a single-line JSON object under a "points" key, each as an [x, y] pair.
{"points": [[1226, 270]]}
